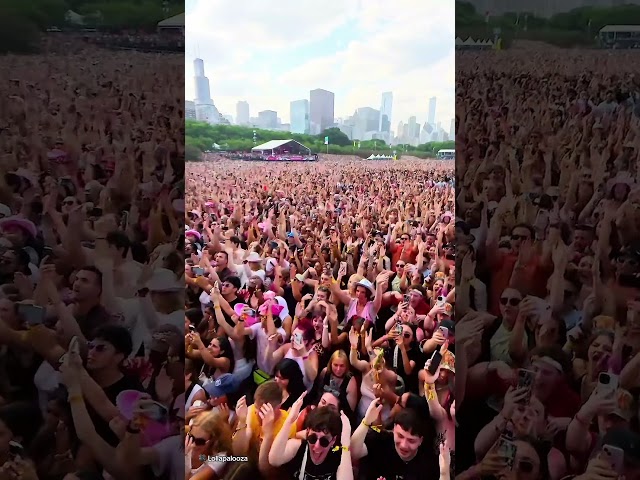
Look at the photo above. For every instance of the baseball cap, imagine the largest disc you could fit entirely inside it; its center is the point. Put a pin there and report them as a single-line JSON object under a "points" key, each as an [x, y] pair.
{"points": [[221, 386]]}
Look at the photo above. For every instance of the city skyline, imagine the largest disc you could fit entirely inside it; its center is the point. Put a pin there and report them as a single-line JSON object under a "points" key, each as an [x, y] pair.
{"points": [[355, 52]]}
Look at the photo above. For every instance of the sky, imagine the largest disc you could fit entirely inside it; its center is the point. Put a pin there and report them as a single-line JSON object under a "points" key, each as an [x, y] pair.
{"points": [[271, 53]]}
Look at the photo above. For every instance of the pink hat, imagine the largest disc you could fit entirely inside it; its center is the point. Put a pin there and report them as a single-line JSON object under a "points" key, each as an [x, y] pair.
{"points": [[153, 431], [193, 233], [248, 321], [14, 221]]}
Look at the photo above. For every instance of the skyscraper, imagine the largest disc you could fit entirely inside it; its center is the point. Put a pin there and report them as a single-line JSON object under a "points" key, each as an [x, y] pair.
{"points": [[321, 110], [268, 119], [385, 112], [242, 113], [452, 129], [206, 111], [432, 111], [299, 113]]}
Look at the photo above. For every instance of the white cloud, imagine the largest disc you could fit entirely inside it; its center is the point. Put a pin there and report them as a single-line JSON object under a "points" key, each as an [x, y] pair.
{"points": [[403, 46]]}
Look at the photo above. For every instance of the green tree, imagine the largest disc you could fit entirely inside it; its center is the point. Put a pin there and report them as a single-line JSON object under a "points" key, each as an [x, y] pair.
{"points": [[192, 153], [18, 34], [336, 137]]}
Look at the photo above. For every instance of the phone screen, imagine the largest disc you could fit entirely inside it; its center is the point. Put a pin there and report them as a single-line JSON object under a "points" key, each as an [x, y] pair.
{"points": [[198, 271], [436, 358], [525, 380], [32, 314]]}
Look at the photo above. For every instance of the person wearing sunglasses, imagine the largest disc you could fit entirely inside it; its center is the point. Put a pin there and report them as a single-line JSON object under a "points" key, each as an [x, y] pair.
{"points": [[324, 453], [502, 331], [209, 438]]}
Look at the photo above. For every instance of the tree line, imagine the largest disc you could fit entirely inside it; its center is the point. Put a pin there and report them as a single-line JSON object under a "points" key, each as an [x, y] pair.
{"points": [[201, 137], [21, 23], [576, 27]]}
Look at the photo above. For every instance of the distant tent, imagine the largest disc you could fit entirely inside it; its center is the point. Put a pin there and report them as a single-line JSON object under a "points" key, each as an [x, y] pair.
{"points": [[469, 41], [74, 18], [173, 23], [458, 41]]}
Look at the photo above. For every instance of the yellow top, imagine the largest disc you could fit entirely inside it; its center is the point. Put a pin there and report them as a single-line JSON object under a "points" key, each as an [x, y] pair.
{"points": [[253, 420]]}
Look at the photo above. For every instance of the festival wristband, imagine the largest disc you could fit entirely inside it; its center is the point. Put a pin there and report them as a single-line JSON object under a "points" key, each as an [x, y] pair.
{"points": [[343, 448], [372, 427], [430, 390]]}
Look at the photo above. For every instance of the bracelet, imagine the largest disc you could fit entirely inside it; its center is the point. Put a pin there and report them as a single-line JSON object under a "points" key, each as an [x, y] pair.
{"points": [[354, 348], [372, 427], [75, 398], [342, 447], [430, 389], [216, 307]]}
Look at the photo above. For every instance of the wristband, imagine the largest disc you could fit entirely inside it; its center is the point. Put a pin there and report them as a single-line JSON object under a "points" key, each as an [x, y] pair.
{"points": [[342, 447], [430, 389], [372, 427], [75, 398]]}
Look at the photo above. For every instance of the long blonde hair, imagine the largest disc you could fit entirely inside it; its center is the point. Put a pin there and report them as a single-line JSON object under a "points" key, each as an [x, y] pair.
{"points": [[216, 425]]}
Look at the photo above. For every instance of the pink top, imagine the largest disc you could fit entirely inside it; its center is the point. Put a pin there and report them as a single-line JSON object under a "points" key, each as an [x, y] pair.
{"points": [[367, 312]]}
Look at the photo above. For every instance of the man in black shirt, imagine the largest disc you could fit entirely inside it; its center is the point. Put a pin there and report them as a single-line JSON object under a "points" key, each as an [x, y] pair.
{"points": [[110, 346], [229, 291], [408, 452]]}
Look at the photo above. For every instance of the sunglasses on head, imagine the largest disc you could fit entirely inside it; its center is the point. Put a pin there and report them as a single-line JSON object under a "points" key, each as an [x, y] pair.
{"points": [[312, 439], [200, 442], [513, 301]]}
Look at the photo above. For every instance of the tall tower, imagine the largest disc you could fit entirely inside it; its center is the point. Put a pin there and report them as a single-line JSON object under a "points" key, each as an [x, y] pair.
{"points": [[432, 111], [206, 111], [385, 112], [242, 113], [321, 110]]}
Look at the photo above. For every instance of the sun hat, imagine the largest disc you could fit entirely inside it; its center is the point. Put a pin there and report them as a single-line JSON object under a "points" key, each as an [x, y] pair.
{"points": [[366, 284], [14, 221]]}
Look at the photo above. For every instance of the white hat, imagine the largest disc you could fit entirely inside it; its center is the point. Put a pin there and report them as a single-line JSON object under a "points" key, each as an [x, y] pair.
{"points": [[367, 284], [260, 274], [4, 210], [164, 280], [254, 257], [271, 265]]}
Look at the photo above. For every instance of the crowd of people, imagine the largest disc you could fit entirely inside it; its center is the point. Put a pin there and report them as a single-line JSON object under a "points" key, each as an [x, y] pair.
{"points": [[319, 331], [167, 41], [548, 286], [91, 264]]}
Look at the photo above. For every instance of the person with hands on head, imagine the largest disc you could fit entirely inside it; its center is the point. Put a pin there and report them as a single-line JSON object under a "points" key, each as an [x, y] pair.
{"points": [[321, 453], [408, 450]]}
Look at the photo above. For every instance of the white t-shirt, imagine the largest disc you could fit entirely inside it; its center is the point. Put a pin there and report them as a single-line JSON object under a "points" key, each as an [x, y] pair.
{"points": [[169, 457], [262, 340]]}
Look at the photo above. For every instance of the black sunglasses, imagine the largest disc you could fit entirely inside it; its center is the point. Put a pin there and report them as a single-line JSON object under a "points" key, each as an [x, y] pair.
{"points": [[313, 439], [514, 302], [200, 442], [399, 265], [519, 237]]}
